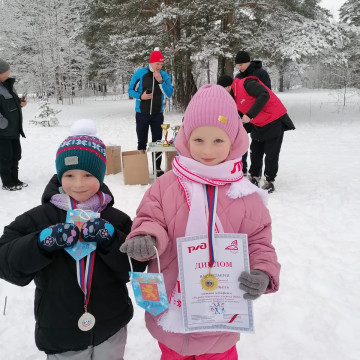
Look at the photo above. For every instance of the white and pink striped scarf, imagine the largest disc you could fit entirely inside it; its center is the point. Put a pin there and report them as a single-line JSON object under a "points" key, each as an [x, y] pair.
{"points": [[192, 182]]}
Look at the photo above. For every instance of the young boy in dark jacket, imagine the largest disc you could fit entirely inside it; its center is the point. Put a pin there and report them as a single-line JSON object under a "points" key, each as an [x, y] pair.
{"points": [[82, 306]]}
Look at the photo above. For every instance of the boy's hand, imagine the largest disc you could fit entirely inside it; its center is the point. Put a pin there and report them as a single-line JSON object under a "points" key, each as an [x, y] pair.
{"points": [[254, 284], [100, 231], [57, 237], [142, 246]]}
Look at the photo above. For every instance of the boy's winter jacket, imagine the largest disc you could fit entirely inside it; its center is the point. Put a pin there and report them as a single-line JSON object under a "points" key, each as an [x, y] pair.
{"points": [[59, 301], [163, 213]]}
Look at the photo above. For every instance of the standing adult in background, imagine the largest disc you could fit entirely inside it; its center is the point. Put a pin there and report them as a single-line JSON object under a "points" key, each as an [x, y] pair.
{"points": [[10, 130], [250, 68], [150, 86], [264, 110]]}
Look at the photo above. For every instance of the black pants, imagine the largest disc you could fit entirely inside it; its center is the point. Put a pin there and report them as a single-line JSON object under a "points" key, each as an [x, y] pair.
{"points": [[143, 122], [244, 161], [10, 154], [271, 148]]}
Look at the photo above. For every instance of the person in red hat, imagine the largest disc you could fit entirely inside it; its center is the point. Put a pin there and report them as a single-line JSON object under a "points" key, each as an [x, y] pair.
{"points": [[149, 86]]}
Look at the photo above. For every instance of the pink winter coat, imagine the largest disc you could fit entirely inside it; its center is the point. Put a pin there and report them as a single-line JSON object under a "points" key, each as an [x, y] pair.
{"points": [[163, 213]]}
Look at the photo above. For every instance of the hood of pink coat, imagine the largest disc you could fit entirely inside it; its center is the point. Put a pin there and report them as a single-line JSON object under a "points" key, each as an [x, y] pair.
{"points": [[238, 148]]}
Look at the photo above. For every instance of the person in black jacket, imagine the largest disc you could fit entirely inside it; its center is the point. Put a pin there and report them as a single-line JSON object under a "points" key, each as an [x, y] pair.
{"points": [[251, 68], [268, 116], [10, 130], [80, 312]]}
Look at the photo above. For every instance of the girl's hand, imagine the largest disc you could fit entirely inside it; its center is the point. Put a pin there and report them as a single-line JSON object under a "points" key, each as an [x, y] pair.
{"points": [[254, 283], [141, 247]]}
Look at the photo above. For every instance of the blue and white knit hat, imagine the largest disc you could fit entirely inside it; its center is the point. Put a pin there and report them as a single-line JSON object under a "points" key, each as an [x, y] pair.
{"points": [[82, 150]]}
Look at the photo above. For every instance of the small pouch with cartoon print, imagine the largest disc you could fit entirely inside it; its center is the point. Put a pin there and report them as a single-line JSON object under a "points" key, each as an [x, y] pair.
{"points": [[149, 289]]}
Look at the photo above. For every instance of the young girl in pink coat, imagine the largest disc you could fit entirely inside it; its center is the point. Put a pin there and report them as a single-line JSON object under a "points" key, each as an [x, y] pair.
{"points": [[210, 146]]}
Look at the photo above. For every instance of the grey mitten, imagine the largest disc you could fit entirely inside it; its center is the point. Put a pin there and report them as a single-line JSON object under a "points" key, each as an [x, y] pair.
{"points": [[141, 246], [254, 284]]}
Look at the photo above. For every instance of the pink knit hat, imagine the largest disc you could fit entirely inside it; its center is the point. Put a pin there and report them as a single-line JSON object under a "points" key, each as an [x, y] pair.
{"points": [[212, 105]]}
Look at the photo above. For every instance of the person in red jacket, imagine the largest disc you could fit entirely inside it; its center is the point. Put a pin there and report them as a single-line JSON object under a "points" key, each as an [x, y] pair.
{"points": [[262, 108]]}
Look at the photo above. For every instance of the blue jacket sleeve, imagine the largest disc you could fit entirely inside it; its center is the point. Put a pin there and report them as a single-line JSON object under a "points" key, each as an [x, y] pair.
{"points": [[131, 89], [166, 85]]}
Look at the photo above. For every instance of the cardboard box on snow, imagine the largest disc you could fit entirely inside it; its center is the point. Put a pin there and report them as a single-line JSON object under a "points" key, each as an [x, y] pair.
{"points": [[135, 167], [113, 159]]}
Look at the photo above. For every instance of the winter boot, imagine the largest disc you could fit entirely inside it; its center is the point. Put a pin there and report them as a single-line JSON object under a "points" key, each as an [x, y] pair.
{"points": [[21, 184], [11, 188], [268, 186], [15, 178], [255, 180]]}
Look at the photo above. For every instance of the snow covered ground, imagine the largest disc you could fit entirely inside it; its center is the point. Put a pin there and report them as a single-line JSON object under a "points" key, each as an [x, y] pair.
{"points": [[315, 211]]}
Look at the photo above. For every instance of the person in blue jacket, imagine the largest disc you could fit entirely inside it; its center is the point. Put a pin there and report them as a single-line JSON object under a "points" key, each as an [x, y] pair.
{"points": [[149, 86]]}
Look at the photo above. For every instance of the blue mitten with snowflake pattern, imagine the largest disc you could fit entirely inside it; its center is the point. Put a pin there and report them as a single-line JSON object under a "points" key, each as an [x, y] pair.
{"points": [[100, 231], [59, 236]]}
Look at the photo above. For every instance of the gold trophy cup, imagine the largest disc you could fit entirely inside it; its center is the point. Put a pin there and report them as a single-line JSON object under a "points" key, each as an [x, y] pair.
{"points": [[165, 127]]}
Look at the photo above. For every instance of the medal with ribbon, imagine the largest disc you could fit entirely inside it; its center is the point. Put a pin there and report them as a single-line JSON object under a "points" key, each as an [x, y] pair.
{"points": [[84, 277], [85, 264], [209, 282]]}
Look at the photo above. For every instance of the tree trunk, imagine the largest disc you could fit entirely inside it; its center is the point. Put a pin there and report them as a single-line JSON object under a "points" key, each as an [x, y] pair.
{"points": [[281, 76], [226, 65]]}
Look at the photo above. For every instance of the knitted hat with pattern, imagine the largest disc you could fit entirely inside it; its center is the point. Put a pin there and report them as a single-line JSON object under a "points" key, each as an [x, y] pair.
{"points": [[212, 105], [156, 56], [83, 151]]}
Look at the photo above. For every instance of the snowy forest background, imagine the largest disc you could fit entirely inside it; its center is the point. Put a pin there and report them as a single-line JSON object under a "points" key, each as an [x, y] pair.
{"points": [[84, 47]]}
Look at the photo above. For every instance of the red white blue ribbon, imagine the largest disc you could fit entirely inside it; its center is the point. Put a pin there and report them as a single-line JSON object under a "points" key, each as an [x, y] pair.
{"points": [[211, 202], [84, 275], [85, 266]]}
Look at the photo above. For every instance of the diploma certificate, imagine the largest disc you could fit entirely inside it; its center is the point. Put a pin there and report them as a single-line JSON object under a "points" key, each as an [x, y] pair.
{"points": [[207, 306]]}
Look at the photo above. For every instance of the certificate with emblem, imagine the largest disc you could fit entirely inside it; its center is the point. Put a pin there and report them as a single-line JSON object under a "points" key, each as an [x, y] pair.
{"points": [[211, 297]]}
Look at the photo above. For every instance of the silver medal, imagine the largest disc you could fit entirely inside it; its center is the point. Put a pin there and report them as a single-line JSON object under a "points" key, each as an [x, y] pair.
{"points": [[86, 322]]}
